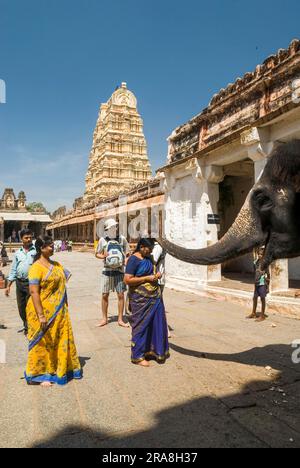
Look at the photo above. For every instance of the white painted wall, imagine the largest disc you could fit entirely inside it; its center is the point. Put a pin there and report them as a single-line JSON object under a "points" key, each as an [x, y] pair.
{"points": [[186, 214], [188, 202]]}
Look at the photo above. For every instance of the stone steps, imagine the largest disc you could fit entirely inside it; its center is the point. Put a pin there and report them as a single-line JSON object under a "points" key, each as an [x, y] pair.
{"points": [[277, 304]]}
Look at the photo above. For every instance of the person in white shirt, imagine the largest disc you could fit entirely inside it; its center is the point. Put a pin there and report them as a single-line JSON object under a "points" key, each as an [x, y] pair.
{"points": [[112, 278], [159, 259], [159, 256]]}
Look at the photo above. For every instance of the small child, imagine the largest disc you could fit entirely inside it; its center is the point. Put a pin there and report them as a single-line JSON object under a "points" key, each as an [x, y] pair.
{"points": [[262, 282]]}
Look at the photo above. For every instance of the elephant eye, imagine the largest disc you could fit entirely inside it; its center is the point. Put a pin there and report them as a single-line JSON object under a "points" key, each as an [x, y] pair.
{"points": [[262, 200]]}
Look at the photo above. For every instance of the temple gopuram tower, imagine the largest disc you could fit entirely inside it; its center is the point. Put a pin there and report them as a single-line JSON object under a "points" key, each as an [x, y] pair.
{"points": [[118, 159]]}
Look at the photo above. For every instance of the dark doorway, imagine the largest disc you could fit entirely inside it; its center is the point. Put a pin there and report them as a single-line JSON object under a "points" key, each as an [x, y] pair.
{"points": [[12, 231], [36, 228], [234, 190]]}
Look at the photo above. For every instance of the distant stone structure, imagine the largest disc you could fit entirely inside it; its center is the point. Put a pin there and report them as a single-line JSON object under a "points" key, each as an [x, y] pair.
{"points": [[60, 212], [15, 216], [118, 159], [10, 202], [78, 204]]}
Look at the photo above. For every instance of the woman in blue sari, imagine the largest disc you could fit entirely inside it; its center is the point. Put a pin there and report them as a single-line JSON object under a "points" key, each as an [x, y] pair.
{"points": [[148, 316]]}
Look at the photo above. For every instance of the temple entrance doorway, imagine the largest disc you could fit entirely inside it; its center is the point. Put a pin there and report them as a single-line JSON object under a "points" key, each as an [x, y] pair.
{"points": [[12, 231], [238, 181], [36, 228]]}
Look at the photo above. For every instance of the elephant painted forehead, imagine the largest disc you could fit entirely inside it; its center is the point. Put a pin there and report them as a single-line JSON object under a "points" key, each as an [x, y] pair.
{"points": [[283, 167]]}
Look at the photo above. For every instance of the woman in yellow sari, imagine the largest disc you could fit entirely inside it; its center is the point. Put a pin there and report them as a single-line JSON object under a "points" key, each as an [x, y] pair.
{"points": [[52, 355]]}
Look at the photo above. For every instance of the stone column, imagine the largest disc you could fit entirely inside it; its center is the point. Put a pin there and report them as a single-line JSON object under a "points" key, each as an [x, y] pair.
{"points": [[1, 230], [210, 177], [279, 276], [256, 142], [95, 230]]}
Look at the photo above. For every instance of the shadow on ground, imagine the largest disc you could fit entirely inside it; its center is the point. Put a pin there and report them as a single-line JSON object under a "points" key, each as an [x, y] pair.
{"points": [[256, 416], [279, 357], [83, 361]]}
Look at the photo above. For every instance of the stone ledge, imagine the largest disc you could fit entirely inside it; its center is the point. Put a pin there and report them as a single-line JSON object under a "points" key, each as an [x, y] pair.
{"points": [[276, 304], [258, 97]]}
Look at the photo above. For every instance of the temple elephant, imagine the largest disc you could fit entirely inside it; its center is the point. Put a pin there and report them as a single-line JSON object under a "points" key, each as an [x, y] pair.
{"points": [[270, 216]]}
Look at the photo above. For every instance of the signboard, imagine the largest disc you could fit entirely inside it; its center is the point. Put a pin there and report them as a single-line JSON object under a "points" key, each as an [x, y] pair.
{"points": [[213, 219]]}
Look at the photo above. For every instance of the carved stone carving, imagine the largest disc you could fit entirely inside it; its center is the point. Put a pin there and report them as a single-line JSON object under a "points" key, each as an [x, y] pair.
{"points": [[9, 201], [211, 174], [124, 97], [251, 136]]}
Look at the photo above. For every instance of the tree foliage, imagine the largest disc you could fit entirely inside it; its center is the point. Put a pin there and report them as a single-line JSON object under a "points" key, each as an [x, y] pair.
{"points": [[36, 207]]}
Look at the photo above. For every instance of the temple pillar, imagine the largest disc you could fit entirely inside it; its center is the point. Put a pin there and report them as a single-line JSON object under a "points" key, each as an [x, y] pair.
{"points": [[91, 235], [279, 276], [95, 230], [209, 178], [259, 147], [1, 230]]}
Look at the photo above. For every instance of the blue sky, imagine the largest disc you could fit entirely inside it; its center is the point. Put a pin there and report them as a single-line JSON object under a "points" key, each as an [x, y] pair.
{"points": [[61, 58]]}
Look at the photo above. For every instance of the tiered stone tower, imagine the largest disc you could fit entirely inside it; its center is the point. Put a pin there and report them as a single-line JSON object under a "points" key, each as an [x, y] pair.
{"points": [[10, 202], [118, 159]]}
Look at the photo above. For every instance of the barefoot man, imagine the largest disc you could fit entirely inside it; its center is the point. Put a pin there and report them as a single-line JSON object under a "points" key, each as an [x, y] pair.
{"points": [[113, 249], [262, 282]]}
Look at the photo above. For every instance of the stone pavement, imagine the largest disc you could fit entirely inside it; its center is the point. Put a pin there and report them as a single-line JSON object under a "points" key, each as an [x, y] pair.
{"points": [[229, 382]]}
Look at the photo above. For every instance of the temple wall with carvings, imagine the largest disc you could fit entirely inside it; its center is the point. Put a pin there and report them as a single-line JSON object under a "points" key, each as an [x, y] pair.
{"points": [[235, 134]]}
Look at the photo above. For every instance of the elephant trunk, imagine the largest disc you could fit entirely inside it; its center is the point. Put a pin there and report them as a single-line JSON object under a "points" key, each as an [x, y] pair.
{"points": [[243, 236]]}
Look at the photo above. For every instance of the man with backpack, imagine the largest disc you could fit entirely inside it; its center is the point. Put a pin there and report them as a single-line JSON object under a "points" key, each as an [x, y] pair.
{"points": [[113, 250]]}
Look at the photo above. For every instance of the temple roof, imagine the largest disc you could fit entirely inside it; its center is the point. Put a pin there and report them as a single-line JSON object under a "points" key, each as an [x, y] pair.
{"points": [[21, 216], [234, 90], [272, 90]]}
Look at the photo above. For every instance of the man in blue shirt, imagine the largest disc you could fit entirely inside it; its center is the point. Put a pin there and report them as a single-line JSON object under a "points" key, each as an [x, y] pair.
{"points": [[23, 260]]}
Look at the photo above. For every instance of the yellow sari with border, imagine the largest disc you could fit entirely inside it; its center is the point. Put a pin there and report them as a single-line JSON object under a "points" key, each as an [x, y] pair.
{"points": [[52, 353]]}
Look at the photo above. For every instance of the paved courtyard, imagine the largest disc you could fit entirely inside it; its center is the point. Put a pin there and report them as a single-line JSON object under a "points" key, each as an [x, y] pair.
{"points": [[229, 383]]}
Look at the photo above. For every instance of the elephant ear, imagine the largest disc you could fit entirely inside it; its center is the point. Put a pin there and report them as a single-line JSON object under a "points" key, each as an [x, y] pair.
{"points": [[283, 166]]}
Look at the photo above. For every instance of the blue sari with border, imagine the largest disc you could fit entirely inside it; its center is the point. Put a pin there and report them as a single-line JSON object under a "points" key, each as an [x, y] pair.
{"points": [[148, 316]]}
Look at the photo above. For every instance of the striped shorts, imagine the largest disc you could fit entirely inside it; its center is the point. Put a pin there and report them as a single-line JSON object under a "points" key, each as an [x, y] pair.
{"points": [[114, 283]]}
